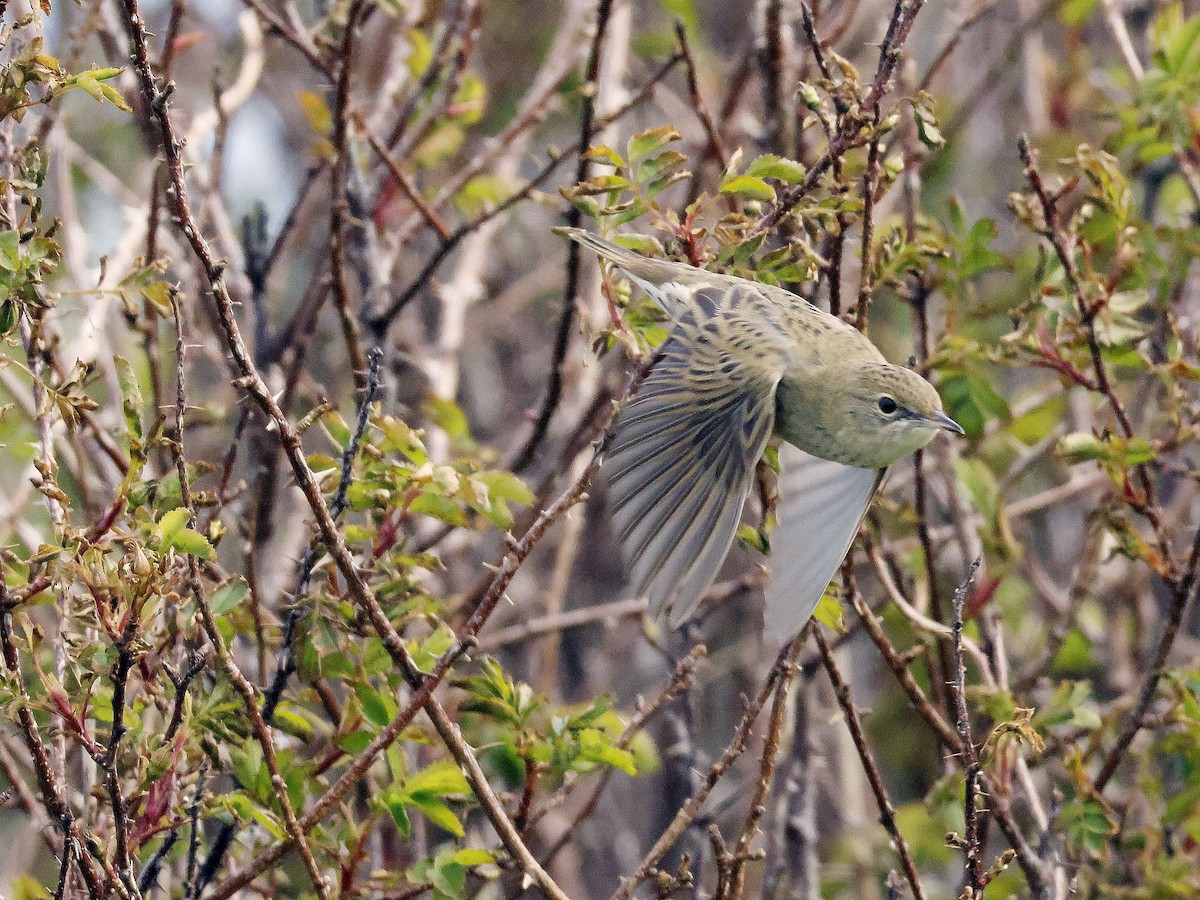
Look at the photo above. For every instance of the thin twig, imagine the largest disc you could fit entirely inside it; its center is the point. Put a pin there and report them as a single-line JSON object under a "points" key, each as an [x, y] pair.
{"points": [[562, 338], [973, 871], [766, 773], [887, 814], [691, 808]]}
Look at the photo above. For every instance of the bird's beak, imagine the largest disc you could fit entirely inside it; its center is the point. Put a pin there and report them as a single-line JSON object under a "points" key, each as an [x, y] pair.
{"points": [[941, 420]]}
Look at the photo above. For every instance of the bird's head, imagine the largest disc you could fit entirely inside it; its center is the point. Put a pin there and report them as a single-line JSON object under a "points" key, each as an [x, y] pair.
{"points": [[893, 411]]}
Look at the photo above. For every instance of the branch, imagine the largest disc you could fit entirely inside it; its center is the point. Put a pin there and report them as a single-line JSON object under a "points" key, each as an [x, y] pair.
{"points": [[691, 808], [887, 814], [562, 339], [974, 857], [253, 383]]}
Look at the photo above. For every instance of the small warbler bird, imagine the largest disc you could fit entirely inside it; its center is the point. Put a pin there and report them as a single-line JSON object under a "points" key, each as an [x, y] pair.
{"points": [[745, 361]]}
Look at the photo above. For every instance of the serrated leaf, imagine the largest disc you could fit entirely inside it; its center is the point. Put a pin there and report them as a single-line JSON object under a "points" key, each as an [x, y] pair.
{"points": [[829, 612], [777, 167], [647, 142], [749, 187], [594, 746], [227, 596]]}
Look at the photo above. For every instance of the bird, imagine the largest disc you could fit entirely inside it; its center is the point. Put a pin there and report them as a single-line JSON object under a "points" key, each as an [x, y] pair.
{"points": [[744, 362]]}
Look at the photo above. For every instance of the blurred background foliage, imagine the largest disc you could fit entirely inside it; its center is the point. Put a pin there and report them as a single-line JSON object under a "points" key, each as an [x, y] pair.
{"points": [[199, 701]]}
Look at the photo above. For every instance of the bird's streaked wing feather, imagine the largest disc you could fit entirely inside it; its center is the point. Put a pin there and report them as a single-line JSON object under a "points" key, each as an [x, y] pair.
{"points": [[684, 449], [821, 504]]}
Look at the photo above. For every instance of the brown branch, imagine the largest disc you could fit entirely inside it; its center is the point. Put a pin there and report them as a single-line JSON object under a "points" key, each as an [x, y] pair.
{"points": [[852, 132], [574, 218], [954, 40], [380, 322], [887, 814], [1181, 585], [432, 219], [716, 147], [53, 796], [564, 621], [809, 28], [262, 732], [339, 213], [297, 38], [691, 808], [252, 382], [766, 773], [870, 180], [126, 656], [899, 666], [973, 870]]}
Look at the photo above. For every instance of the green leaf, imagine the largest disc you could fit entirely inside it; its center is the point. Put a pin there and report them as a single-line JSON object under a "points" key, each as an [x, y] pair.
{"points": [[173, 533], [439, 814], [829, 611], [228, 595], [750, 536], [484, 192], [647, 142], [777, 167], [594, 746], [506, 486], [749, 187], [1080, 447], [451, 419], [316, 111], [469, 856], [93, 83], [440, 779], [1076, 12], [643, 244], [131, 399], [1087, 825], [399, 436], [927, 130], [378, 708], [8, 316], [399, 813]]}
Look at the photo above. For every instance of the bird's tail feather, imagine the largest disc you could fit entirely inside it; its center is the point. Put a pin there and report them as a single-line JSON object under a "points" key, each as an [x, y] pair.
{"points": [[671, 285]]}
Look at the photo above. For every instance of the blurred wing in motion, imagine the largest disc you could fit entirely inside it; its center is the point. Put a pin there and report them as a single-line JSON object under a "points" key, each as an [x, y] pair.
{"points": [[821, 504], [685, 447]]}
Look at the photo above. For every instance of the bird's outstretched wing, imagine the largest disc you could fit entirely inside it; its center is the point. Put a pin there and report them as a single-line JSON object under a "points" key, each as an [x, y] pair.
{"points": [[821, 504], [684, 449]]}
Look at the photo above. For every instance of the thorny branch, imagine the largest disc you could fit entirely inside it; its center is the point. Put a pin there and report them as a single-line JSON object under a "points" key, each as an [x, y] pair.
{"points": [[253, 383]]}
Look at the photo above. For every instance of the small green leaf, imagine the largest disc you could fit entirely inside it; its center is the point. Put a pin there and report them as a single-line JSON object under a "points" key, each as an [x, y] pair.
{"points": [[749, 187], [594, 746], [777, 167], [173, 533], [8, 316], [647, 142], [227, 596], [469, 856], [440, 779], [439, 814], [829, 612], [376, 707]]}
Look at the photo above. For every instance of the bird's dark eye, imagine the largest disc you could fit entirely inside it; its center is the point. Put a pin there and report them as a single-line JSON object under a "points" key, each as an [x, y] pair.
{"points": [[887, 405]]}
